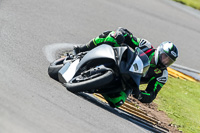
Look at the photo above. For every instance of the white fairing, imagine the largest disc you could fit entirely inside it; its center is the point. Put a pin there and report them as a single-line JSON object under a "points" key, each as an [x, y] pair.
{"points": [[68, 73], [137, 66]]}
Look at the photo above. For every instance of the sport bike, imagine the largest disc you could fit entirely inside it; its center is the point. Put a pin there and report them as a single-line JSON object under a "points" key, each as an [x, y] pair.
{"points": [[103, 70]]}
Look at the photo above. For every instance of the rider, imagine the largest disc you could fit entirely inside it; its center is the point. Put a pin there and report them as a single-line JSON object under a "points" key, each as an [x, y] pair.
{"points": [[160, 59]]}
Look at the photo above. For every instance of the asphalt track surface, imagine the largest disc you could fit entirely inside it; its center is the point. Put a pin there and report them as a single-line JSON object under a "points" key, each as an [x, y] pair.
{"points": [[31, 102]]}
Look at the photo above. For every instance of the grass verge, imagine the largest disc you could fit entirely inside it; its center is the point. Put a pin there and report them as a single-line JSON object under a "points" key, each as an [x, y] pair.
{"points": [[193, 3], [180, 99]]}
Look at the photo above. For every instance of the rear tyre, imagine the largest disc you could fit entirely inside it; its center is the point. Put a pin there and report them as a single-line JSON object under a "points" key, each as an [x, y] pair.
{"points": [[90, 84]]}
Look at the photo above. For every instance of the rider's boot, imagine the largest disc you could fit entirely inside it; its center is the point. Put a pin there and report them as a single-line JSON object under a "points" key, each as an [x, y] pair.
{"points": [[84, 47], [79, 48]]}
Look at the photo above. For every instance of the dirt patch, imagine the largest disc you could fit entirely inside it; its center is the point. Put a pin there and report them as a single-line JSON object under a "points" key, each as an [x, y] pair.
{"points": [[151, 110]]}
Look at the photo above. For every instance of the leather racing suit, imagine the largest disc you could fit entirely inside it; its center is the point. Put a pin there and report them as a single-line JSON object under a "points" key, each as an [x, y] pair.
{"points": [[155, 77]]}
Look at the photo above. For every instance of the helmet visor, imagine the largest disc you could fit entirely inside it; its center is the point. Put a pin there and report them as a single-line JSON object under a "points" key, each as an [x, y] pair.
{"points": [[165, 59]]}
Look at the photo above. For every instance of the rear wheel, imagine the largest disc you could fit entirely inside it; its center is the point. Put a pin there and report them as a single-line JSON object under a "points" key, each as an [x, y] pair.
{"points": [[89, 81]]}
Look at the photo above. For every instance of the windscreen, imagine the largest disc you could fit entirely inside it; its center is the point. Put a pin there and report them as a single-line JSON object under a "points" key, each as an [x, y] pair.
{"points": [[141, 63]]}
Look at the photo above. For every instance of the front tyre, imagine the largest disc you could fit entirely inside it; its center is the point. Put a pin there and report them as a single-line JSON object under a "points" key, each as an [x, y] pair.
{"points": [[85, 84], [55, 67]]}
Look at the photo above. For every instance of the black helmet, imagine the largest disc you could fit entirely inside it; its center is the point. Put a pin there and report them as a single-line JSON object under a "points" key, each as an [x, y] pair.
{"points": [[165, 54]]}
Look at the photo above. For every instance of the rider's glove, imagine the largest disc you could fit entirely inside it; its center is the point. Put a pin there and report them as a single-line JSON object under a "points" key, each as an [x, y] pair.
{"points": [[137, 95], [128, 36], [140, 96], [118, 36], [136, 92], [124, 31]]}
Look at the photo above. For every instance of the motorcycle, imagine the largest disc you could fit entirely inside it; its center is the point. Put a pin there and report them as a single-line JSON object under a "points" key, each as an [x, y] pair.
{"points": [[103, 70]]}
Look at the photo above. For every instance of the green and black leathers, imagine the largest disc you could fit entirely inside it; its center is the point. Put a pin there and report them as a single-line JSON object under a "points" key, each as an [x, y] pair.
{"points": [[155, 78]]}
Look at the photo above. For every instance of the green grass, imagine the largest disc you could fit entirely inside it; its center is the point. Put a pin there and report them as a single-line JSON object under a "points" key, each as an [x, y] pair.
{"points": [[193, 3], [180, 99]]}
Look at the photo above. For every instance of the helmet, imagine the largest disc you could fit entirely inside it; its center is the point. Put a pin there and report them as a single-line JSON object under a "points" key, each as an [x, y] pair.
{"points": [[165, 54]]}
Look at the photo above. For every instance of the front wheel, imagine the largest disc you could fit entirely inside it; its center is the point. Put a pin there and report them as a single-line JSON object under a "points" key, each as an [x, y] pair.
{"points": [[83, 83], [55, 67]]}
